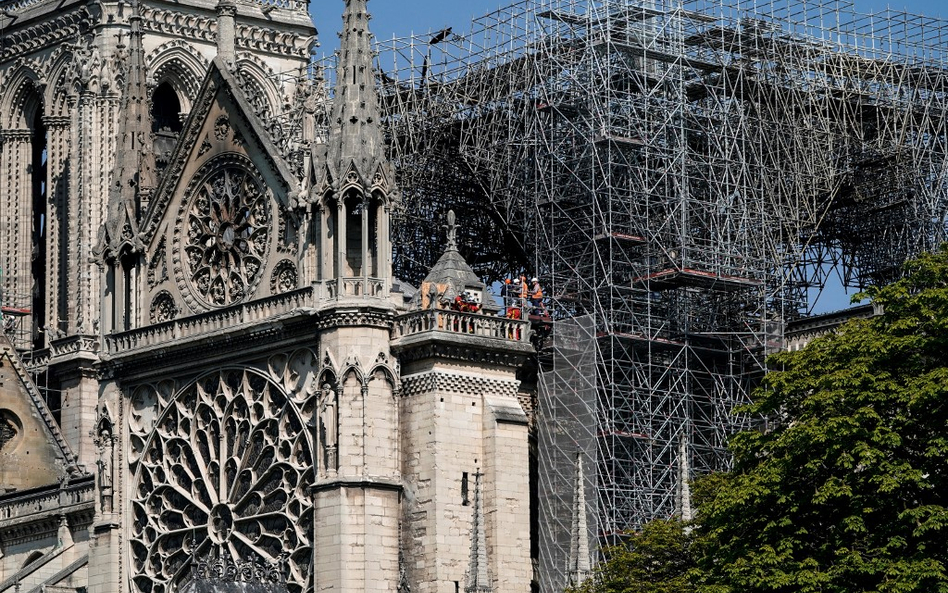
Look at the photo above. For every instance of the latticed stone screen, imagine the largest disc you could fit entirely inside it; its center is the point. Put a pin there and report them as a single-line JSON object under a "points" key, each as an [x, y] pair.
{"points": [[224, 469]]}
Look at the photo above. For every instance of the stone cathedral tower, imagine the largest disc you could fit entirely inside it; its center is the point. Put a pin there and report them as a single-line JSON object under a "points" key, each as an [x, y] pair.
{"points": [[226, 381]]}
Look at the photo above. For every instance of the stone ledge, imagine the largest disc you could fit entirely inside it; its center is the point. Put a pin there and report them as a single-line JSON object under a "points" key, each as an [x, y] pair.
{"points": [[375, 483]]}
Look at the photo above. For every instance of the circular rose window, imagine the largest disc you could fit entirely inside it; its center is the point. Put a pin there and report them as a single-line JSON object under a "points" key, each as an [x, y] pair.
{"points": [[226, 470], [226, 233]]}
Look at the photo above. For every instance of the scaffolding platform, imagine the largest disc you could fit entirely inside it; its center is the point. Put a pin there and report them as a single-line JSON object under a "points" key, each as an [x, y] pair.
{"points": [[621, 238], [626, 141], [564, 109], [686, 277], [622, 433], [641, 342]]}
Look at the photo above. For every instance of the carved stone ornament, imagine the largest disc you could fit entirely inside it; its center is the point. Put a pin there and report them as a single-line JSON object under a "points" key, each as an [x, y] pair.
{"points": [[284, 278], [223, 235], [221, 127], [157, 267], [224, 569], [227, 468], [163, 308]]}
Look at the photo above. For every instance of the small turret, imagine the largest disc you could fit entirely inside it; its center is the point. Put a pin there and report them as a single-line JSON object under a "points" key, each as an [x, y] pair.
{"points": [[452, 277], [356, 184]]}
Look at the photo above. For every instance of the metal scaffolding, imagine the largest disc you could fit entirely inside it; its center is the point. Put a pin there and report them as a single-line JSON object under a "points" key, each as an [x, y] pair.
{"points": [[686, 176]]}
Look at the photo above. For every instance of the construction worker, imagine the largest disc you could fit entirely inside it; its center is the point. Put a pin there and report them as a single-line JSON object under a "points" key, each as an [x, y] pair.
{"points": [[536, 294], [508, 293]]}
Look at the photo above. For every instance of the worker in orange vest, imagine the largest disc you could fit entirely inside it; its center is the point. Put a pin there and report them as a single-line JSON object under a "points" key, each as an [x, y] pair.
{"points": [[536, 294]]}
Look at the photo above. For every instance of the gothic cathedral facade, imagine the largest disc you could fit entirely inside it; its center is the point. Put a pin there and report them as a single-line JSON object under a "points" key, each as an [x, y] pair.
{"points": [[208, 372]]}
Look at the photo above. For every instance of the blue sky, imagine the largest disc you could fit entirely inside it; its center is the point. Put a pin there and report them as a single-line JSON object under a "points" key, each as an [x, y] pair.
{"points": [[401, 17]]}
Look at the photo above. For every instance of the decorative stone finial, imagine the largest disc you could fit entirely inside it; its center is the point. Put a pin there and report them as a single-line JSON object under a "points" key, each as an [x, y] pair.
{"points": [[452, 232], [356, 140], [684, 475], [133, 177]]}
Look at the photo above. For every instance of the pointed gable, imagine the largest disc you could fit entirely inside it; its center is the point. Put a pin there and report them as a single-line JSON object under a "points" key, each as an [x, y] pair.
{"points": [[219, 224], [33, 452], [221, 121]]}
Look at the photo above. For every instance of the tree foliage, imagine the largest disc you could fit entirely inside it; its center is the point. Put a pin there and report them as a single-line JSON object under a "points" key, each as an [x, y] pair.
{"points": [[654, 560], [846, 490]]}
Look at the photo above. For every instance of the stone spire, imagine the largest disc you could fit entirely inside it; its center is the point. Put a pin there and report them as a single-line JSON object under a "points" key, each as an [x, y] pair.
{"points": [[134, 176], [579, 562], [356, 137], [478, 576], [354, 180], [684, 475]]}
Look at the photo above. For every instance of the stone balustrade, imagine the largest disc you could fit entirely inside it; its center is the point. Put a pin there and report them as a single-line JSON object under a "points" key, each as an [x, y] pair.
{"points": [[75, 494], [290, 4], [354, 288], [210, 322], [474, 324]]}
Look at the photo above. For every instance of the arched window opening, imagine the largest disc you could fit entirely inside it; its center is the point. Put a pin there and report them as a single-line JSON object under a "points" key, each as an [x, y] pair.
{"points": [[329, 257], [33, 557], [165, 122], [124, 296], [373, 250], [354, 209], [38, 190]]}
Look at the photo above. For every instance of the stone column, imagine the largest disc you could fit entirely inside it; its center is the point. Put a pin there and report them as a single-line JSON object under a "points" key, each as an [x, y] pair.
{"points": [[79, 208], [357, 506], [385, 245], [325, 256]]}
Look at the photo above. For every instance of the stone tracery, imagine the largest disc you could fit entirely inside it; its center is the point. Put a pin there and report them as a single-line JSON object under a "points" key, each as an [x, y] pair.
{"points": [[224, 234], [227, 466]]}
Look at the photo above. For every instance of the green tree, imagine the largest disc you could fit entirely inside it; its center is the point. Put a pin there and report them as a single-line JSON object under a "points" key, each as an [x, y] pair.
{"points": [[845, 490], [655, 560]]}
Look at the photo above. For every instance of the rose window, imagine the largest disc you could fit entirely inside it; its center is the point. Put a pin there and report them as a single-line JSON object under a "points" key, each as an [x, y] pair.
{"points": [[226, 469], [227, 232]]}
